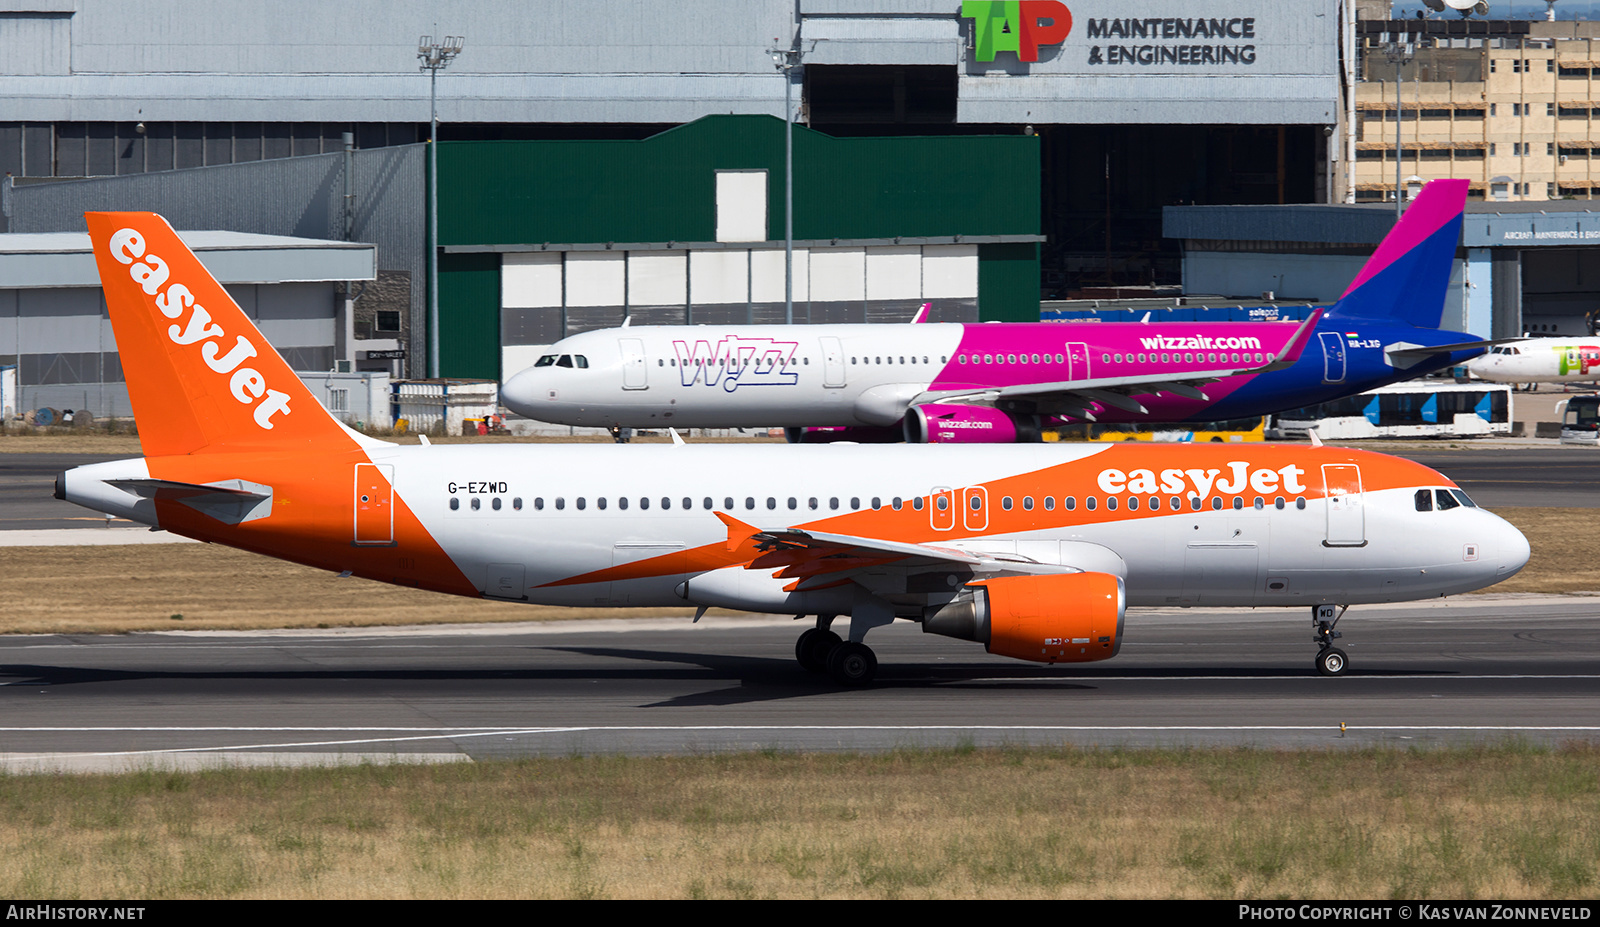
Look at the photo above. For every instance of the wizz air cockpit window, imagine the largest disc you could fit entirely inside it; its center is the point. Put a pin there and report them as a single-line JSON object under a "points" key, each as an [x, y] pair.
{"points": [[547, 360]]}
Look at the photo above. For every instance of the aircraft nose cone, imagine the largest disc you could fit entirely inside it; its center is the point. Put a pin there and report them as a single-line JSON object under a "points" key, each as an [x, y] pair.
{"points": [[522, 392], [1514, 551]]}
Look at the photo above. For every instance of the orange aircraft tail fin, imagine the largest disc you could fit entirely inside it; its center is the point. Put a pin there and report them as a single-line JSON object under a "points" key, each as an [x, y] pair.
{"points": [[200, 375]]}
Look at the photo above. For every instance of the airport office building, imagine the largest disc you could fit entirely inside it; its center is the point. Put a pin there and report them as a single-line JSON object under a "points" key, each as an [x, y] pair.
{"points": [[603, 161]]}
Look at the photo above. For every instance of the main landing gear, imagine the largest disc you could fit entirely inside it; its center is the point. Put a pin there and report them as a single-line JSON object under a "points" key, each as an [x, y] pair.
{"points": [[848, 662], [1331, 661]]}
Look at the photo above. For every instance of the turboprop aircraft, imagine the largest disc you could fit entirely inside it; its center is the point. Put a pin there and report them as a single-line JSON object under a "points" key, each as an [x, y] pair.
{"points": [[1002, 382], [1540, 360], [1035, 552]]}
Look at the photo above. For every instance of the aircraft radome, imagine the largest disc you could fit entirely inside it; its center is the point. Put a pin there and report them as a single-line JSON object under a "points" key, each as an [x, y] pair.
{"points": [[1036, 552], [1003, 382]]}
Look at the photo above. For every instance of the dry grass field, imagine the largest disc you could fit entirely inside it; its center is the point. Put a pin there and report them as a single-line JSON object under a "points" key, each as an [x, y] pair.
{"points": [[140, 588], [1503, 822]]}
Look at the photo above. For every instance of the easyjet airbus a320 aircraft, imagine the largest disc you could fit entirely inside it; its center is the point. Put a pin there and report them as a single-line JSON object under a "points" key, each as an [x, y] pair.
{"points": [[1035, 552], [1001, 382]]}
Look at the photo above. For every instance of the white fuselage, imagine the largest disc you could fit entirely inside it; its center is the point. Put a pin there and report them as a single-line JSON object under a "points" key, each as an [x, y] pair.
{"points": [[1540, 360], [517, 519], [705, 377]]}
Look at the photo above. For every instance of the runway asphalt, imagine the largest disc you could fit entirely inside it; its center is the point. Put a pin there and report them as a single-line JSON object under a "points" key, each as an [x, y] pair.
{"points": [[1480, 669], [1470, 670]]}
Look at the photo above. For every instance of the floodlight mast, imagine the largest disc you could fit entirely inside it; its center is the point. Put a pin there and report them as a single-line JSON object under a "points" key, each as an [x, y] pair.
{"points": [[434, 57], [786, 60]]}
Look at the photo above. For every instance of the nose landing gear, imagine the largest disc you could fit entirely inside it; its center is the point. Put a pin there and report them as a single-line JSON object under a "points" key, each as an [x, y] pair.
{"points": [[1331, 661]]}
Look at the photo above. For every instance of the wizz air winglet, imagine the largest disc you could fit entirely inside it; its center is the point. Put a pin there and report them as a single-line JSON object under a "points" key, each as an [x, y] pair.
{"points": [[1034, 552], [1003, 382]]}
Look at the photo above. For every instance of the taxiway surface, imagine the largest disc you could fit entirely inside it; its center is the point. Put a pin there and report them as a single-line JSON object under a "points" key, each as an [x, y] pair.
{"points": [[1478, 669]]}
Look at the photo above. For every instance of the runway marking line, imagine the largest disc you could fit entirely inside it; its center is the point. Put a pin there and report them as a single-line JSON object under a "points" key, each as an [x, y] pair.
{"points": [[454, 733]]}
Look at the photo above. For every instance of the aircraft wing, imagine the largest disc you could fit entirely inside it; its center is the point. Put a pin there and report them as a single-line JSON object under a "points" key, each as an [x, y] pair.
{"points": [[816, 559], [1073, 397]]}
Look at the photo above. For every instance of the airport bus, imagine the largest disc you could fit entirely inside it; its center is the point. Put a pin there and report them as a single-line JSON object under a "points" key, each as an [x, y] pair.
{"points": [[1416, 408], [1580, 423]]}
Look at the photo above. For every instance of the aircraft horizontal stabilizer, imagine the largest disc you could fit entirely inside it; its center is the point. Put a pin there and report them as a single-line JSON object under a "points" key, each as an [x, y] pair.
{"points": [[231, 502], [1404, 353]]}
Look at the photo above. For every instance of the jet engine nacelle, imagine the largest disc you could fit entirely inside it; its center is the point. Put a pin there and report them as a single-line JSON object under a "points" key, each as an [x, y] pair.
{"points": [[1061, 618], [948, 423]]}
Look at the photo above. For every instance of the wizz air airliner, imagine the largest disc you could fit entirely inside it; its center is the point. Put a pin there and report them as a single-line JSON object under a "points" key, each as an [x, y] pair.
{"points": [[1034, 552], [1002, 382]]}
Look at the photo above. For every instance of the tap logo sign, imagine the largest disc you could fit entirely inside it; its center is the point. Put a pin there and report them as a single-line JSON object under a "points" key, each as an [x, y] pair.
{"points": [[1019, 26]]}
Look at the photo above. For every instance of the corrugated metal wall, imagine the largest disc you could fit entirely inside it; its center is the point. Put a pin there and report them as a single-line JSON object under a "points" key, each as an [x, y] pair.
{"points": [[302, 197]]}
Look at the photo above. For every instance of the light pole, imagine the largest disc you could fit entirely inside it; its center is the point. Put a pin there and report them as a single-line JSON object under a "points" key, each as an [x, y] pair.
{"points": [[1398, 55], [786, 60], [434, 57]]}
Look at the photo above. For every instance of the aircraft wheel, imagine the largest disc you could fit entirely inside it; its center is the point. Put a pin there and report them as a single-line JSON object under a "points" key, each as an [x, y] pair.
{"points": [[852, 664], [1332, 662], [812, 649]]}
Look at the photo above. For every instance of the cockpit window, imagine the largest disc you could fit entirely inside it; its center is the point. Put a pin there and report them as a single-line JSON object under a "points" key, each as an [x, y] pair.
{"points": [[1446, 500], [546, 361], [583, 362], [1424, 500], [565, 361], [1463, 498]]}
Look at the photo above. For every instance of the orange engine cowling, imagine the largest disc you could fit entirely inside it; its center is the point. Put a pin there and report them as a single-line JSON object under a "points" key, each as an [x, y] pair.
{"points": [[1061, 618]]}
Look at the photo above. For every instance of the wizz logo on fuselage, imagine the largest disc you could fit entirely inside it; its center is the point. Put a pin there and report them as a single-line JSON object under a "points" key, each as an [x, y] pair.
{"points": [[737, 361]]}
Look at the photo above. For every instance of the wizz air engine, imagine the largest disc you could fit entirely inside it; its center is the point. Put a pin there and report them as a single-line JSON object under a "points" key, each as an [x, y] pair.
{"points": [[949, 423], [1062, 618]]}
